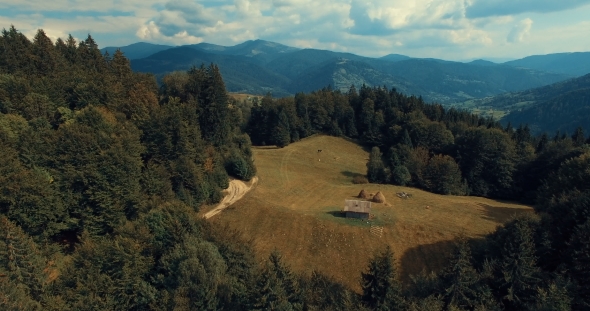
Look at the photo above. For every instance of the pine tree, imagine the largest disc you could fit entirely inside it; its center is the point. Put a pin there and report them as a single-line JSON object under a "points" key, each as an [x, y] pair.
{"points": [[400, 175], [542, 144], [406, 140], [520, 274], [381, 286], [554, 297], [214, 109], [375, 167], [281, 134], [461, 278], [276, 287], [22, 260], [16, 52], [301, 106], [44, 54], [578, 259], [578, 137]]}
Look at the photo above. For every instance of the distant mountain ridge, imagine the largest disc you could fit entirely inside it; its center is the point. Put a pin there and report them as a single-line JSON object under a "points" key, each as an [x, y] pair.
{"points": [[575, 64], [137, 50], [259, 66], [560, 107]]}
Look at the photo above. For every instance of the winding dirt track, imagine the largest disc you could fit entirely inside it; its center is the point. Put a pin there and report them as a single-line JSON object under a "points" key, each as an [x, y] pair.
{"points": [[236, 190]]}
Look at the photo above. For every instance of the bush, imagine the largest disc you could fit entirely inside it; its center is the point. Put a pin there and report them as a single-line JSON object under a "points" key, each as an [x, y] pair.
{"points": [[400, 175], [360, 179], [241, 168]]}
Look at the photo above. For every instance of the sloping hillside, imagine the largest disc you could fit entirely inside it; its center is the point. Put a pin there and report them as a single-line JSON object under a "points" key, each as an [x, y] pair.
{"points": [[137, 50], [575, 64], [296, 205], [262, 66], [240, 74], [560, 107]]}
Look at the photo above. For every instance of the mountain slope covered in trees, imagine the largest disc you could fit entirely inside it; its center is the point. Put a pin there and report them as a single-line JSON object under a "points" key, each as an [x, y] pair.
{"points": [[558, 107], [137, 50], [562, 106], [292, 70], [575, 64]]}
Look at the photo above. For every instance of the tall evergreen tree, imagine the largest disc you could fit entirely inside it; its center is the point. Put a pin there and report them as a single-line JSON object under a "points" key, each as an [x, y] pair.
{"points": [[461, 278], [375, 167], [21, 260], [578, 137], [44, 54], [381, 286], [276, 287], [520, 274], [281, 134], [578, 259]]}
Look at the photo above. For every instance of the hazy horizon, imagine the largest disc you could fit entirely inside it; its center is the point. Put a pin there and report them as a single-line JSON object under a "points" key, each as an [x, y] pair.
{"points": [[456, 30]]}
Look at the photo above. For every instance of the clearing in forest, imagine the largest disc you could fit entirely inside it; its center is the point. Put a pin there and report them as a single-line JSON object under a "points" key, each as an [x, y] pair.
{"points": [[296, 206]]}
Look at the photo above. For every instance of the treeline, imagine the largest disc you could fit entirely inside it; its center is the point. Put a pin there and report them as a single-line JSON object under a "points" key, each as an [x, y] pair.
{"points": [[101, 176], [445, 151]]}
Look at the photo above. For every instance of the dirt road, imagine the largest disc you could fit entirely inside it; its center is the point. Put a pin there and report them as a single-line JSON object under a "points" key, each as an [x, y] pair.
{"points": [[235, 191]]}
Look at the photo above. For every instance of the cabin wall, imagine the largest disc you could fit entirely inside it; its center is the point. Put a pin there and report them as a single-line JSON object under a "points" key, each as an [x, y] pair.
{"points": [[357, 215]]}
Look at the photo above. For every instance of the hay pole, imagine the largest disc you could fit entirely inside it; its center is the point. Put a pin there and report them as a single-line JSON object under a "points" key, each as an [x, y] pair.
{"points": [[377, 230]]}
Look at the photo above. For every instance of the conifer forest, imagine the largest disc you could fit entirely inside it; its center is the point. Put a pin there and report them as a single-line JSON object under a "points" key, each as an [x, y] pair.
{"points": [[103, 169]]}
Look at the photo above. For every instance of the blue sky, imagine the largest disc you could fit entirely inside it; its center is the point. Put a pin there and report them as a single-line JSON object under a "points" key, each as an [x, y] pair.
{"points": [[447, 29]]}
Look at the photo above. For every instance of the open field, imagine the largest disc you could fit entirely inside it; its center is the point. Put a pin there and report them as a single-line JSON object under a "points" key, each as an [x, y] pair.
{"points": [[295, 209], [243, 96]]}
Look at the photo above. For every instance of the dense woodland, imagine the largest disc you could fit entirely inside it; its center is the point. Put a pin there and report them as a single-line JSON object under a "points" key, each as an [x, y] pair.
{"points": [[103, 171]]}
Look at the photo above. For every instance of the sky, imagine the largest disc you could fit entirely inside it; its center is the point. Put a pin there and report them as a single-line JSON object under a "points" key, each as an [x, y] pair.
{"points": [[447, 29]]}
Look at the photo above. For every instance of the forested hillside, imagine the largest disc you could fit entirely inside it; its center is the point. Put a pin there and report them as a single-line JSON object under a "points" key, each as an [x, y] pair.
{"points": [[103, 173], [261, 66], [559, 107], [576, 64]]}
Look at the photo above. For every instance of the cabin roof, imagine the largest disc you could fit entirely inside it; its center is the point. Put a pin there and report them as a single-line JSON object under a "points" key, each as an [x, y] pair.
{"points": [[357, 206]]}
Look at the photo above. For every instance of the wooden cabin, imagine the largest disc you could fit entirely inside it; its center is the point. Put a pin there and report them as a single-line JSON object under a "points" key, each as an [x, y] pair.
{"points": [[357, 209]]}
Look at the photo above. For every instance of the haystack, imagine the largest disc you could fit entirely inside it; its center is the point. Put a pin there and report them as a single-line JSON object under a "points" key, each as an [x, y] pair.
{"points": [[379, 198], [363, 194]]}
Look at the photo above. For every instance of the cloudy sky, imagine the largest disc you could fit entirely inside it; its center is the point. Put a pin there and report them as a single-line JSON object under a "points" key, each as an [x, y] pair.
{"points": [[447, 29]]}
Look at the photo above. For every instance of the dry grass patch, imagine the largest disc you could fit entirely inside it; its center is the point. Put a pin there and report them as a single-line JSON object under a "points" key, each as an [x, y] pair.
{"points": [[296, 205]]}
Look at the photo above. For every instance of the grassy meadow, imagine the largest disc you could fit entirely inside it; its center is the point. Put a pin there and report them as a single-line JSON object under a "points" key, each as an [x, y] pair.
{"points": [[295, 208]]}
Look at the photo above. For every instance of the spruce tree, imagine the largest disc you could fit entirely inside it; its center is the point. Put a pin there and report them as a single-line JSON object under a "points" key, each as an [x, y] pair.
{"points": [[520, 274], [578, 259], [461, 278], [281, 134], [406, 140], [542, 144], [21, 260], [578, 137], [375, 167], [213, 109], [276, 287], [381, 286], [44, 54]]}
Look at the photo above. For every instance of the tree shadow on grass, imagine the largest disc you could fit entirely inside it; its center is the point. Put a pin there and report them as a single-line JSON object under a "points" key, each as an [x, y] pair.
{"points": [[501, 214], [350, 174], [426, 258]]}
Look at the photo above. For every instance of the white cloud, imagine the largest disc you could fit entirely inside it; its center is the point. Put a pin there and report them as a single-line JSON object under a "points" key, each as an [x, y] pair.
{"points": [[520, 31], [481, 8], [450, 29]]}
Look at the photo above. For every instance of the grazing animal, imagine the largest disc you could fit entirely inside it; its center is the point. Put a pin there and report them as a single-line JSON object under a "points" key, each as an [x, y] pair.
{"points": [[319, 150]]}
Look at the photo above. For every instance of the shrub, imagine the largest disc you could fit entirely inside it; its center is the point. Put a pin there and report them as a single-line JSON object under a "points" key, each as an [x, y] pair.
{"points": [[360, 179]]}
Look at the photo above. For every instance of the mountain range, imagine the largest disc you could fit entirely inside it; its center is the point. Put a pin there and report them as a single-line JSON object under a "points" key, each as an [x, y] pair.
{"points": [[562, 106], [260, 66]]}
